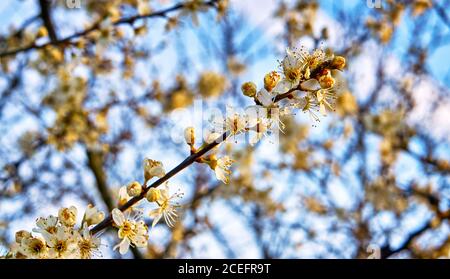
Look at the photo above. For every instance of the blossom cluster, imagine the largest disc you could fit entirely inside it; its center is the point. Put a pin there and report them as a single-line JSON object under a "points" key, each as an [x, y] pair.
{"points": [[57, 237], [309, 77], [132, 229], [309, 81]]}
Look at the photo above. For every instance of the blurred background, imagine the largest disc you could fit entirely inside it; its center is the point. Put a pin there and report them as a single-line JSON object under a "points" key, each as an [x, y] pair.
{"points": [[88, 91]]}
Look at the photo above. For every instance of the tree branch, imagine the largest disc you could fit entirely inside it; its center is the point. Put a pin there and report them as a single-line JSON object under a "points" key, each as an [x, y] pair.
{"points": [[95, 162], [187, 162], [96, 26], [47, 20], [386, 251]]}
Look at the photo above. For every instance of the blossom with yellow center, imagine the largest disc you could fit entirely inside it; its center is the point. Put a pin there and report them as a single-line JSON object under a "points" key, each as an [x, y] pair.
{"points": [[62, 244], [46, 225], [68, 216], [33, 248], [132, 232], [292, 67], [88, 245], [221, 167], [166, 207]]}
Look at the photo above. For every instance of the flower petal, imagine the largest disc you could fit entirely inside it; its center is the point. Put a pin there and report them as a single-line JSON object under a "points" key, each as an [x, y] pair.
{"points": [[311, 85], [140, 241], [124, 246], [118, 217], [265, 98], [156, 220], [282, 87], [221, 175]]}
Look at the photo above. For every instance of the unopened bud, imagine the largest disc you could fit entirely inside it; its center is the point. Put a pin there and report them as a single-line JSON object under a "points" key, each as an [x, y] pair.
{"points": [[338, 63], [189, 135], [271, 80], [153, 168], [42, 32], [326, 81], [153, 195], [134, 189], [249, 89], [22, 235]]}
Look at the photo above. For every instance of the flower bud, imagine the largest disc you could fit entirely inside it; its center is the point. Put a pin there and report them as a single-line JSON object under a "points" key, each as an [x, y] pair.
{"points": [[153, 168], [42, 32], [271, 80], [249, 89], [93, 216], [134, 189], [443, 165], [326, 81], [212, 161], [338, 63], [22, 235], [68, 216], [153, 195], [189, 135]]}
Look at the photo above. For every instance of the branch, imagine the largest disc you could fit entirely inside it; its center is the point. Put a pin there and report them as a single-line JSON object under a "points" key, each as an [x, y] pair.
{"points": [[96, 26], [441, 13], [386, 251], [47, 19], [187, 162], [95, 162]]}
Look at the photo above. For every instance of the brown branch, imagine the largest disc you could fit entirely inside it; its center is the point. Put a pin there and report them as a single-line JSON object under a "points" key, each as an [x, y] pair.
{"points": [[95, 162], [187, 162], [96, 26], [47, 20], [386, 251]]}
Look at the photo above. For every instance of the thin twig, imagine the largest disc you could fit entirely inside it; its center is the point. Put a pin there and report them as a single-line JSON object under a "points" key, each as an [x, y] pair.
{"points": [[187, 162], [47, 20], [96, 26]]}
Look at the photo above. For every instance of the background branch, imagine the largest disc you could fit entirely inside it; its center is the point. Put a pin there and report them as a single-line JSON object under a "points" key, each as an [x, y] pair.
{"points": [[47, 20]]}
